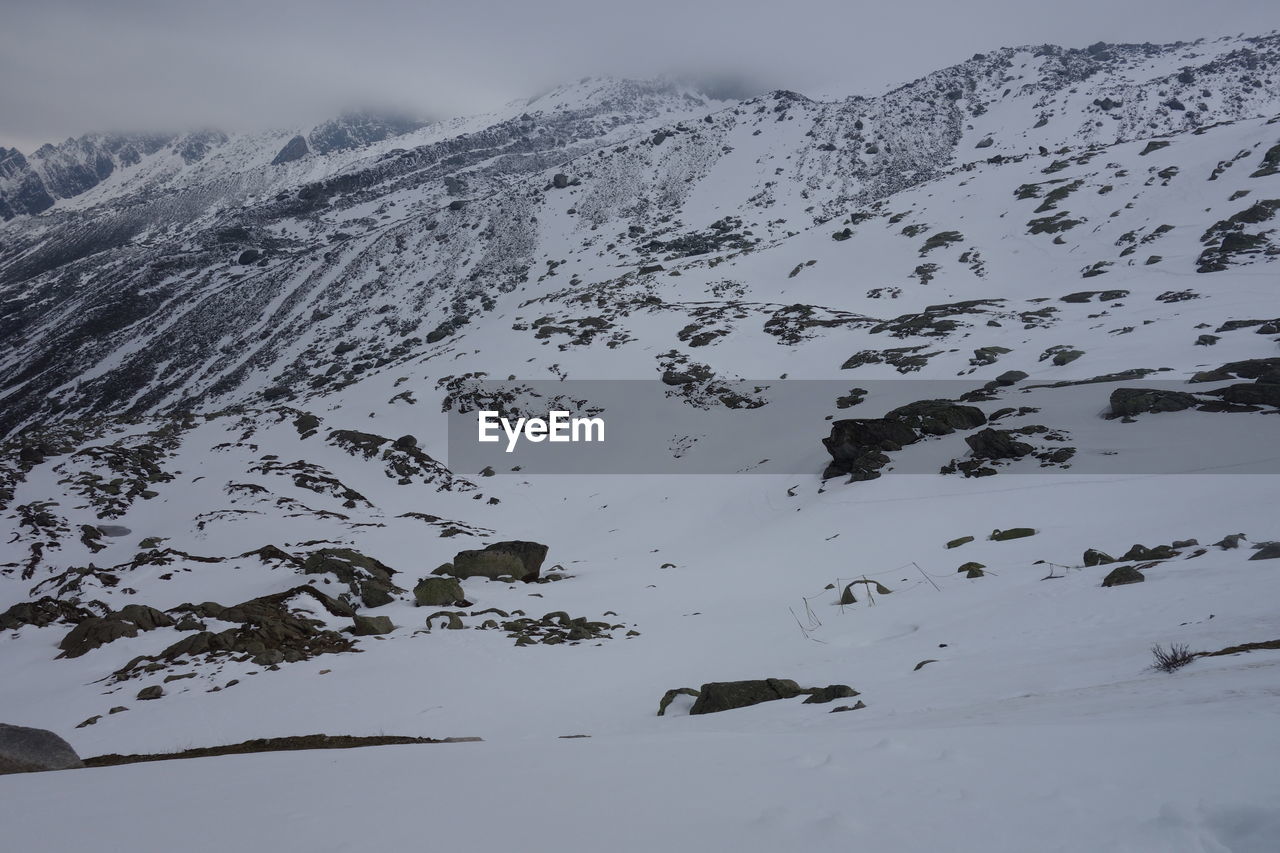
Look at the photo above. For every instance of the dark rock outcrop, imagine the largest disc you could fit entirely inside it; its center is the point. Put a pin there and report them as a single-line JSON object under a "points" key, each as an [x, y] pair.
{"points": [[95, 632], [996, 444], [858, 445], [1126, 402], [366, 577], [294, 149]]}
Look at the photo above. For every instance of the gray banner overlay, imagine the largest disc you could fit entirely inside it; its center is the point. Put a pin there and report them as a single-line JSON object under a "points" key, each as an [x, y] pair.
{"points": [[1124, 426]]}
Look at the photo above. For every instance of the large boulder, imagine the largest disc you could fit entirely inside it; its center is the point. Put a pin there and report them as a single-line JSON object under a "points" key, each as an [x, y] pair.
{"points": [[1126, 402], [727, 695], [517, 559], [1122, 576], [369, 626], [26, 750], [1267, 551], [439, 592]]}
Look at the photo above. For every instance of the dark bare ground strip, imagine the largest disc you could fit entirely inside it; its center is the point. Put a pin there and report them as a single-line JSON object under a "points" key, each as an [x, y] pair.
{"points": [[270, 744], [1246, 647]]}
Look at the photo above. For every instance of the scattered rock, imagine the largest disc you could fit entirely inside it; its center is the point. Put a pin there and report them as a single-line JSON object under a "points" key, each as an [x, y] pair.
{"points": [[823, 695], [155, 691], [956, 543], [857, 706]]}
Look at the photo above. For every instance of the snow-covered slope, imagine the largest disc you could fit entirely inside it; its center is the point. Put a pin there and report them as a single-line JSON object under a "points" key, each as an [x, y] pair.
{"points": [[224, 391]]}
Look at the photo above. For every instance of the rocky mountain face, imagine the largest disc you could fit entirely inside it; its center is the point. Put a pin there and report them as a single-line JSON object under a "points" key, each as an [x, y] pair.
{"points": [[264, 237], [225, 360]]}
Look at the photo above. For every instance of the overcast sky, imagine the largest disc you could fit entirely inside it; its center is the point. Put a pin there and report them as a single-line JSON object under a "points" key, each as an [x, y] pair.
{"points": [[72, 66]]}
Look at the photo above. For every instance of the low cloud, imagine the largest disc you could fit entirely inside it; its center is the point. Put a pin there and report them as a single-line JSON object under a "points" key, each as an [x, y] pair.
{"points": [[73, 67]]}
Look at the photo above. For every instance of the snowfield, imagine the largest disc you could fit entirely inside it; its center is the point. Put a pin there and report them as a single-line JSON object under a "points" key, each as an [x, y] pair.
{"points": [[229, 378]]}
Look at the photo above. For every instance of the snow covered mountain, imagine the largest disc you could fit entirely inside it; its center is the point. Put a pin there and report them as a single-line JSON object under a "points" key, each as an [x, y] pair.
{"points": [[1040, 288]]}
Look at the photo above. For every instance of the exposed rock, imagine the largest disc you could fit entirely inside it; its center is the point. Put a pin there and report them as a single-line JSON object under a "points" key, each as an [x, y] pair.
{"points": [[1258, 393], [1011, 533], [1231, 540], [294, 149], [670, 696], [1094, 557], [155, 691], [938, 417], [857, 445], [367, 626], [1141, 552], [517, 559], [1010, 377], [726, 695], [823, 695], [267, 628], [1126, 402], [439, 592], [366, 577], [956, 543], [1122, 576], [95, 632], [28, 750], [1267, 551], [972, 569], [45, 611], [146, 618], [856, 706], [1261, 369], [996, 444]]}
